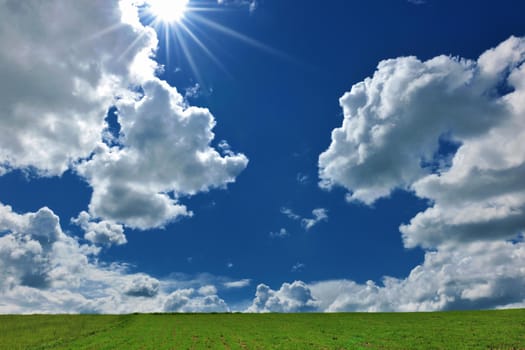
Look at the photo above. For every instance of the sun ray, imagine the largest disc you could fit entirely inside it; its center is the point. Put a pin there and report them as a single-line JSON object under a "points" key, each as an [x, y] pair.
{"points": [[189, 56], [241, 37], [204, 48]]}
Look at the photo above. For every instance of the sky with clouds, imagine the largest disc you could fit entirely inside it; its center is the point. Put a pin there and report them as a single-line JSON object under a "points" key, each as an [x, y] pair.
{"points": [[262, 156]]}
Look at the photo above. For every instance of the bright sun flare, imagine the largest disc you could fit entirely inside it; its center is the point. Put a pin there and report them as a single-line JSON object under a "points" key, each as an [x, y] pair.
{"points": [[168, 11]]}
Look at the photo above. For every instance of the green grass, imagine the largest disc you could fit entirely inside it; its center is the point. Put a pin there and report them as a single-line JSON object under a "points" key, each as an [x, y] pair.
{"points": [[448, 330]]}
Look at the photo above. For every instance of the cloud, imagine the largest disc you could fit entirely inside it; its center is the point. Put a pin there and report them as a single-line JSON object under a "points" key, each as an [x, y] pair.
{"points": [[303, 179], [290, 214], [479, 276], [192, 92], [237, 284], [207, 290], [393, 124], [417, 2], [190, 300], [319, 214], [142, 286], [279, 234], [102, 232], [44, 270], [61, 80], [165, 153], [294, 297], [37, 258], [298, 267], [482, 275]]}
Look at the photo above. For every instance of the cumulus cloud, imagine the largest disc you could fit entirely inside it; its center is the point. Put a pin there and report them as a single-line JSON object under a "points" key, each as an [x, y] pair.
{"points": [[101, 232], [44, 270], [481, 275], [392, 126], [165, 153], [142, 286], [37, 258], [191, 300], [294, 297], [60, 81], [28, 249]]}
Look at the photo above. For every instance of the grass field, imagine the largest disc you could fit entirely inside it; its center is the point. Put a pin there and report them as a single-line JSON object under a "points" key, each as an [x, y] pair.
{"points": [[449, 330]]}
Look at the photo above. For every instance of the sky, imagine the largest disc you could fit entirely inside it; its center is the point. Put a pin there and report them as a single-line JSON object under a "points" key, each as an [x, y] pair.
{"points": [[261, 155]]}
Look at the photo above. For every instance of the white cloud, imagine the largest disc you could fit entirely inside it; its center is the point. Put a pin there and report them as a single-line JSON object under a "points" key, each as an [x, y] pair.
{"points": [[61, 79], [479, 276], [298, 267], [279, 234], [294, 297], [319, 214], [190, 300], [43, 270], [392, 127], [237, 284], [142, 286], [393, 123], [303, 179], [376, 150], [192, 91], [102, 232], [207, 290], [165, 153], [290, 214]]}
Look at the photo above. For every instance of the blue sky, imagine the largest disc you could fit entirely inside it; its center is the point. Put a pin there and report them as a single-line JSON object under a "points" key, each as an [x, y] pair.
{"points": [[262, 156]]}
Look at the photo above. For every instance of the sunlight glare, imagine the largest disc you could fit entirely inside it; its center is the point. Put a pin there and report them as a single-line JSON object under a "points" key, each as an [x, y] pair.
{"points": [[168, 11]]}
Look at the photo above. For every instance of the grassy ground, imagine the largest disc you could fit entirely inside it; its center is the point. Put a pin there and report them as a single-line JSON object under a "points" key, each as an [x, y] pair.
{"points": [[450, 330]]}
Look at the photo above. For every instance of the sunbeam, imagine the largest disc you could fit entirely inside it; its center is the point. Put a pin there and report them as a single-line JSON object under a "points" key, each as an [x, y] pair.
{"points": [[204, 48], [245, 39]]}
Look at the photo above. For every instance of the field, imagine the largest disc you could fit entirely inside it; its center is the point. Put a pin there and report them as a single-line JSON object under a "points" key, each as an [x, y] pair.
{"points": [[449, 330]]}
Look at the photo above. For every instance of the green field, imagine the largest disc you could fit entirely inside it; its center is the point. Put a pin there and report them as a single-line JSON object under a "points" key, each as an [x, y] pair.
{"points": [[449, 330]]}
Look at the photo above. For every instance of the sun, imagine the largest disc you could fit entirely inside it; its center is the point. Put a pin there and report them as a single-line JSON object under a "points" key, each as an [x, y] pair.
{"points": [[168, 11]]}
